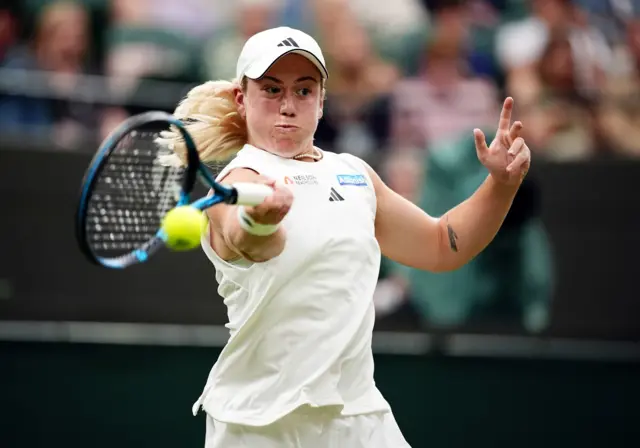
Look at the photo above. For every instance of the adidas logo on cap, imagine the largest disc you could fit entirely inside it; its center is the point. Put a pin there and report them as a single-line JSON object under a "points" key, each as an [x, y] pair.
{"points": [[289, 42]]}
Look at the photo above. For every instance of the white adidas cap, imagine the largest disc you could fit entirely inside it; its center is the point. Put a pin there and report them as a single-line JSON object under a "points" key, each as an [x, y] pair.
{"points": [[262, 50]]}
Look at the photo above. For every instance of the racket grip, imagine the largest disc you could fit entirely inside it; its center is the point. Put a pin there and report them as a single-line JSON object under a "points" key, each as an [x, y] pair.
{"points": [[252, 194]]}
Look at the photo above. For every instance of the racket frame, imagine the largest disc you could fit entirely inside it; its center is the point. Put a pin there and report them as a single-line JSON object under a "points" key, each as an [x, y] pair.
{"points": [[240, 193], [97, 165]]}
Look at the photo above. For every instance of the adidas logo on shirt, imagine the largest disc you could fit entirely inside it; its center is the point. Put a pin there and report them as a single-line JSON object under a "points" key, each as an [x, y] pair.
{"points": [[335, 196], [288, 42]]}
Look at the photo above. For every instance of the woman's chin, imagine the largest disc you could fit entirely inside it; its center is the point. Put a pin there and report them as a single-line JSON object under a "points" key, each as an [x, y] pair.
{"points": [[286, 147]]}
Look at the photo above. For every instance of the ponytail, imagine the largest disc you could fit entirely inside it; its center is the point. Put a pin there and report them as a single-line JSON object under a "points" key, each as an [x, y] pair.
{"points": [[211, 116]]}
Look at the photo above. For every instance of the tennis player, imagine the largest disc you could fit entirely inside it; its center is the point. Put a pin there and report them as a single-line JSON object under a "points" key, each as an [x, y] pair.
{"points": [[298, 272]]}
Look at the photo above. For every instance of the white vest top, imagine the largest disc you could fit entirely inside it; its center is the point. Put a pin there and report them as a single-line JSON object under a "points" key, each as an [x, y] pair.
{"points": [[301, 323]]}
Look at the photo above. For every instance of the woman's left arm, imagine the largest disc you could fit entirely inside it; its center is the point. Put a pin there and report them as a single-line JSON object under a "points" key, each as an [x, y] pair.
{"points": [[410, 236]]}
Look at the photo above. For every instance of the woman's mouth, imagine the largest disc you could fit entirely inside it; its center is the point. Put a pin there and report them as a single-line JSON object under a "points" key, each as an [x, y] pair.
{"points": [[286, 127]]}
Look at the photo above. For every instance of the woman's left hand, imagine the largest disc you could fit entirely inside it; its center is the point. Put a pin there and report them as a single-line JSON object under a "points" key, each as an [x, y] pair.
{"points": [[508, 157]]}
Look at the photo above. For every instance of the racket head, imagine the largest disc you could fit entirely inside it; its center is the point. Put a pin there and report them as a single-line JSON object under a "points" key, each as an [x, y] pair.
{"points": [[129, 187]]}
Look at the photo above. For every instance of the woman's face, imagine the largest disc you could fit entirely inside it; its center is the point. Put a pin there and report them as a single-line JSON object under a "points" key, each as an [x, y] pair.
{"points": [[282, 108], [349, 45], [64, 33], [557, 66], [633, 38]]}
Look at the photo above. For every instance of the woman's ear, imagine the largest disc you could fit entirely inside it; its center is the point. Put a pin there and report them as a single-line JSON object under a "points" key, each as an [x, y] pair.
{"points": [[239, 97], [321, 106]]}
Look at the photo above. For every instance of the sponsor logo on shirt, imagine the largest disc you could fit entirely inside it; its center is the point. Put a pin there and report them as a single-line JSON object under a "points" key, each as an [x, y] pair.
{"points": [[301, 179], [356, 180]]}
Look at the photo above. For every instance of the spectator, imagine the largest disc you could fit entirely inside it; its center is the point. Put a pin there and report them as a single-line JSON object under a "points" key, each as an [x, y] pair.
{"points": [[558, 116], [356, 116], [477, 293], [396, 33], [403, 173], [156, 40], [446, 98], [222, 49], [521, 44], [59, 48], [8, 28], [138, 48], [619, 111], [194, 18]]}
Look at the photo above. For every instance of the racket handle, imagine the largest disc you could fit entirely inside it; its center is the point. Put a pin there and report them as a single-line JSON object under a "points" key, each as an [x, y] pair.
{"points": [[252, 194]]}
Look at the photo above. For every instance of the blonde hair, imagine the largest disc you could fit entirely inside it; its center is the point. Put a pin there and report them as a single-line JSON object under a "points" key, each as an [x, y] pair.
{"points": [[210, 115]]}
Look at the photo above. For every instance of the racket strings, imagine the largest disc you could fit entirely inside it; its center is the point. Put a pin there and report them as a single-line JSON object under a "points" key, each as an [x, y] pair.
{"points": [[131, 195], [215, 167]]}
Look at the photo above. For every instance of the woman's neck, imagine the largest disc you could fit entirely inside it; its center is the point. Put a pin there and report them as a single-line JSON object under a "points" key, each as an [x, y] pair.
{"points": [[306, 153]]}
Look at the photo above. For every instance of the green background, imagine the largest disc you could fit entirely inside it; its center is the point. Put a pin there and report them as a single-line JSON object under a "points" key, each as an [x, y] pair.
{"points": [[83, 395]]}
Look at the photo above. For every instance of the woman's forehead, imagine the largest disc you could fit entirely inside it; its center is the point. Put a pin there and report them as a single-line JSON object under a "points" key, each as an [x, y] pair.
{"points": [[292, 67]]}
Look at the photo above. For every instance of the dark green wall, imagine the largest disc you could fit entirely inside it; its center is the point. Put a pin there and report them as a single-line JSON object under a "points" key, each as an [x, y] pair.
{"points": [[117, 396], [580, 202]]}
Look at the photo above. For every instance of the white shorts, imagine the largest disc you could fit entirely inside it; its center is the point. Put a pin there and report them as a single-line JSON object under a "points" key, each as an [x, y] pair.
{"points": [[308, 427]]}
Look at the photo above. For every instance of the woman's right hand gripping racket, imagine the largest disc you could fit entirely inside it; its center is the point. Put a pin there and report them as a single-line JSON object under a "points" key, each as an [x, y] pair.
{"points": [[132, 183]]}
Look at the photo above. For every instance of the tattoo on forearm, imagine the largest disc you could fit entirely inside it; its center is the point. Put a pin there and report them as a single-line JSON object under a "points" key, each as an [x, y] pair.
{"points": [[453, 237]]}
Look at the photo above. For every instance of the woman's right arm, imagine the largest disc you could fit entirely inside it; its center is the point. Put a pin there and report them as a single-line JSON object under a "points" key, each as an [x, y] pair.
{"points": [[230, 240]]}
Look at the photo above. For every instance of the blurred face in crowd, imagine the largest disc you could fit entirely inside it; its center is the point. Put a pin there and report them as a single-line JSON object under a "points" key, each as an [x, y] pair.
{"points": [[7, 30], [445, 51], [282, 109], [554, 12], [443, 63], [255, 18], [403, 174], [556, 65], [348, 45], [633, 39], [63, 35], [452, 25]]}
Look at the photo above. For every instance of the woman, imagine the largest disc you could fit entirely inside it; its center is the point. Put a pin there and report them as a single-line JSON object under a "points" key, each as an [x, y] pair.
{"points": [[298, 272], [356, 110], [558, 109]]}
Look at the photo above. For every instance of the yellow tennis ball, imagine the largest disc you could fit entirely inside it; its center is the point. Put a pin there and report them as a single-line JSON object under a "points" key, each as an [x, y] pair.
{"points": [[183, 226]]}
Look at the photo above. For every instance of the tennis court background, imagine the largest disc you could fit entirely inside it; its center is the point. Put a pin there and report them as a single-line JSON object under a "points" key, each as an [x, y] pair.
{"points": [[103, 359], [588, 210], [97, 358], [87, 395]]}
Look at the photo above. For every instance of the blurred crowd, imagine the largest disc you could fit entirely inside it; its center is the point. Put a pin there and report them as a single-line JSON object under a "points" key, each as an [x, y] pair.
{"points": [[409, 81], [405, 74]]}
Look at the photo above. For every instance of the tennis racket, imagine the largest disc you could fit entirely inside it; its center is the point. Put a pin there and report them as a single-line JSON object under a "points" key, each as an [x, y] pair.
{"points": [[133, 181]]}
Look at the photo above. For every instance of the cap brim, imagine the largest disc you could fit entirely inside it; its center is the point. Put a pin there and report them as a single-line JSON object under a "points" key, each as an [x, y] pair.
{"points": [[260, 67]]}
